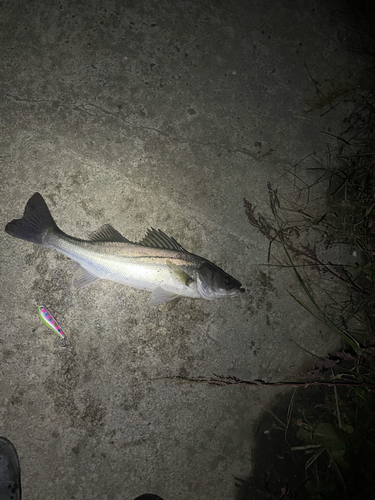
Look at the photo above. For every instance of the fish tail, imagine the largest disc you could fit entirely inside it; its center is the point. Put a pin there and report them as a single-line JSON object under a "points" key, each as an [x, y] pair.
{"points": [[36, 223]]}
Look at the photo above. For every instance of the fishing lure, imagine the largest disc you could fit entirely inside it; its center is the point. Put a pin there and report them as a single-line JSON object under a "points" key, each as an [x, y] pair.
{"points": [[47, 318]]}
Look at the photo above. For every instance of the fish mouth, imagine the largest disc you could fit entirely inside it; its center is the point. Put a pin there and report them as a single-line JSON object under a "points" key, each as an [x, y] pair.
{"points": [[235, 291]]}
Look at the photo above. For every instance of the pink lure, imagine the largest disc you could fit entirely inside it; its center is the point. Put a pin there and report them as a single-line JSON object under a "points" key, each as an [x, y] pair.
{"points": [[47, 318]]}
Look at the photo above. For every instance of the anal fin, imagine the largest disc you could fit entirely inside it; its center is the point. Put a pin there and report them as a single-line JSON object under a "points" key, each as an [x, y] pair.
{"points": [[83, 278]]}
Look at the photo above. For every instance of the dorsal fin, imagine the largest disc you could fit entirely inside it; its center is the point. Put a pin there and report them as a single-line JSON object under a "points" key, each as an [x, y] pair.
{"points": [[107, 233], [157, 239]]}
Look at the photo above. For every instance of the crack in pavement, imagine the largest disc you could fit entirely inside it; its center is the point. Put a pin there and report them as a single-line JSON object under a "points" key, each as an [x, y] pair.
{"points": [[228, 149]]}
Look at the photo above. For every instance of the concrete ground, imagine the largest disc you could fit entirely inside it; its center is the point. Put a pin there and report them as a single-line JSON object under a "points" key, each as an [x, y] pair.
{"points": [[163, 114]]}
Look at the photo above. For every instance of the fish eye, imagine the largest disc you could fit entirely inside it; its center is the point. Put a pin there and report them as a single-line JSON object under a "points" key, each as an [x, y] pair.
{"points": [[227, 280]]}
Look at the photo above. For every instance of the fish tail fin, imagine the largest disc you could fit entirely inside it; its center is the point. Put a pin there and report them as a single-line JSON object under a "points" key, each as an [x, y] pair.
{"points": [[35, 224]]}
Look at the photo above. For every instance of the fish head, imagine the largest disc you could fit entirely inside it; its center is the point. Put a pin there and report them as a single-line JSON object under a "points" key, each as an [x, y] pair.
{"points": [[214, 283]]}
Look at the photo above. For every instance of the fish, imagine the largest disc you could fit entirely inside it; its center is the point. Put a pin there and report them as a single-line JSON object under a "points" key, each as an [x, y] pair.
{"points": [[47, 317], [157, 263]]}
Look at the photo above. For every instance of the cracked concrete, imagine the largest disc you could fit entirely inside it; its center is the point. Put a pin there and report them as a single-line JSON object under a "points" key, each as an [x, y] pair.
{"points": [[163, 114]]}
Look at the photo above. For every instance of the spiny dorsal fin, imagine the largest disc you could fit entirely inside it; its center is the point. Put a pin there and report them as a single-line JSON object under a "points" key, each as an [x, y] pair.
{"points": [[157, 239], [107, 233]]}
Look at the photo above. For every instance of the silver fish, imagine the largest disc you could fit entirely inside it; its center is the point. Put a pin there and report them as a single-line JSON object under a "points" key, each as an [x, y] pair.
{"points": [[157, 263]]}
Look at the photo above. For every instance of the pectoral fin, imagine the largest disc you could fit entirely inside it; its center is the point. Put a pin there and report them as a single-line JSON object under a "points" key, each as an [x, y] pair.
{"points": [[179, 274], [159, 296]]}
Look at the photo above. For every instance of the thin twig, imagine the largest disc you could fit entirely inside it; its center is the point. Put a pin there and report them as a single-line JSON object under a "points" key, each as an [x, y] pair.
{"points": [[337, 405], [225, 381]]}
